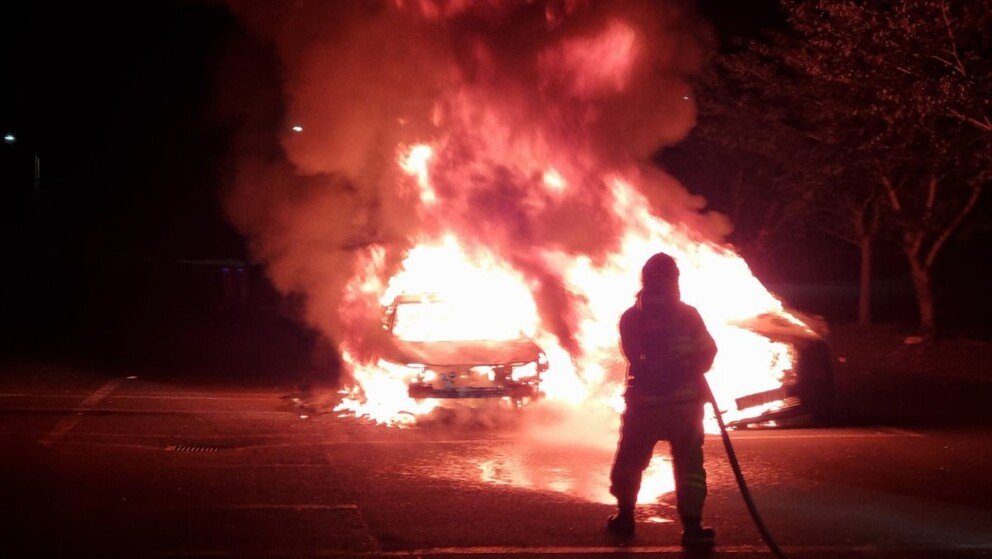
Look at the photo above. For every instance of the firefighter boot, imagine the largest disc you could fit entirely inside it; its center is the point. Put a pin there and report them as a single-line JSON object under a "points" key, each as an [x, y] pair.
{"points": [[622, 523], [695, 535]]}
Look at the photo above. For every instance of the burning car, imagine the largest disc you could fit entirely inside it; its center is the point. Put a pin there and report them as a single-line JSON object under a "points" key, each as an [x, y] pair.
{"points": [[452, 359], [806, 391]]}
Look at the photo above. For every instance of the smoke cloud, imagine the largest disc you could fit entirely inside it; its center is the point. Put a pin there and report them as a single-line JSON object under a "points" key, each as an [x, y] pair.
{"points": [[508, 88]]}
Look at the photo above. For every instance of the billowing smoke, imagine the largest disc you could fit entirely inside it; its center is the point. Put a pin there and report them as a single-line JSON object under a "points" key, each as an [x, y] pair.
{"points": [[509, 88]]}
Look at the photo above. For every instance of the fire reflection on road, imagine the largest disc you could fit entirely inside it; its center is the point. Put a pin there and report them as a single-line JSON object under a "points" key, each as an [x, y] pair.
{"points": [[584, 475], [542, 449]]}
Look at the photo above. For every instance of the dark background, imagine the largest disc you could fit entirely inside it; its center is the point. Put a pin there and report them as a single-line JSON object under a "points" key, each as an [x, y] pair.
{"points": [[123, 256]]}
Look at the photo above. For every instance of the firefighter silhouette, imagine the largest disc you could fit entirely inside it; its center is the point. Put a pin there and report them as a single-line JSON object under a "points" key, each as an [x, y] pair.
{"points": [[668, 350]]}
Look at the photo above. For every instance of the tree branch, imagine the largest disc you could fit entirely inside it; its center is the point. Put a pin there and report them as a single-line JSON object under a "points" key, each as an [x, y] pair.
{"points": [[931, 198], [984, 125], [892, 194], [944, 13], [946, 62], [976, 191]]}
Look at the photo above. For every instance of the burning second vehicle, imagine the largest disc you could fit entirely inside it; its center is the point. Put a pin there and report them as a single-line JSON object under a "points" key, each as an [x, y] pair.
{"points": [[459, 352], [807, 386]]}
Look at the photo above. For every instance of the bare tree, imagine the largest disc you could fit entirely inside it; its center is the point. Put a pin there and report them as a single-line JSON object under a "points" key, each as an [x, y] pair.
{"points": [[917, 76], [878, 114], [788, 132]]}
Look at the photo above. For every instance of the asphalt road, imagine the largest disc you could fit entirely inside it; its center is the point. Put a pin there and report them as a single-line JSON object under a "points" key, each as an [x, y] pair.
{"points": [[104, 466]]}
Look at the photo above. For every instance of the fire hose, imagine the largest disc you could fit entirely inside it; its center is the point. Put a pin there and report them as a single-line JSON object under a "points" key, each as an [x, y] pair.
{"points": [[736, 466]]}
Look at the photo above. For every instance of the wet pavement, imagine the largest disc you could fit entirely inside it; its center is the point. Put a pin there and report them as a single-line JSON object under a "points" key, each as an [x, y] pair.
{"points": [[109, 466]]}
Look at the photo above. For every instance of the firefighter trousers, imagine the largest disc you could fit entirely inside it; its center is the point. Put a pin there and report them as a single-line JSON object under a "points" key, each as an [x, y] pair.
{"points": [[682, 426]]}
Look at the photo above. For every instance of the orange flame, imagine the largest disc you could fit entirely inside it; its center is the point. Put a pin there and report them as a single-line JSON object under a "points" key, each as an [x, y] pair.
{"points": [[486, 184], [488, 299]]}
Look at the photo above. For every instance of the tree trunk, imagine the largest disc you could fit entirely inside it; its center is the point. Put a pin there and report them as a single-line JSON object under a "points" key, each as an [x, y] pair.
{"points": [[920, 274], [864, 286]]}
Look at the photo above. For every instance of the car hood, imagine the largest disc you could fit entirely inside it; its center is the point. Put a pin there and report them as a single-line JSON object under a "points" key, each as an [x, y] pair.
{"points": [[463, 353], [777, 328]]}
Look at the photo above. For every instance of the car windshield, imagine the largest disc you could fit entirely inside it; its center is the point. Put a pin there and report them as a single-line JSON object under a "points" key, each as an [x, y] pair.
{"points": [[430, 320]]}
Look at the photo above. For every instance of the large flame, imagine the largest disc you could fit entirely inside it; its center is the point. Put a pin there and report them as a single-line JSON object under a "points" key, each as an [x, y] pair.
{"points": [[505, 208], [517, 192], [486, 298]]}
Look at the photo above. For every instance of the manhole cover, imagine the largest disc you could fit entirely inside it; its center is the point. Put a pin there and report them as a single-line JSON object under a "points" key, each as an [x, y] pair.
{"points": [[194, 448]]}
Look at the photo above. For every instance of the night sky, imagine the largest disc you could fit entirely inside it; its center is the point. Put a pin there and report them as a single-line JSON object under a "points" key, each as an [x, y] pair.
{"points": [[119, 102], [116, 100]]}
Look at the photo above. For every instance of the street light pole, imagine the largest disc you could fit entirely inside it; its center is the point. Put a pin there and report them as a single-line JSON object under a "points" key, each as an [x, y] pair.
{"points": [[37, 177], [10, 139]]}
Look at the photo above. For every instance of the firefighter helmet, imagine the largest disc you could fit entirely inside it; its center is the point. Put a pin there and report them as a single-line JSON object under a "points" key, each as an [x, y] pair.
{"points": [[660, 269]]}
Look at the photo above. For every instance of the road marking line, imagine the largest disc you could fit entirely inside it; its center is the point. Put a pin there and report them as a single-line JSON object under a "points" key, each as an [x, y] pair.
{"points": [[172, 436], [252, 396], [714, 439], [415, 441], [261, 506], [563, 550], [786, 437], [905, 432], [251, 506], [231, 466], [671, 549], [25, 395], [248, 506], [153, 396], [443, 442], [142, 411], [67, 423], [677, 551], [323, 437]]}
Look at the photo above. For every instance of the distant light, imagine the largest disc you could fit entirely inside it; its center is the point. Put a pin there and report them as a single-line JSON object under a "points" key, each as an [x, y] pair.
{"points": [[10, 138], [685, 97], [297, 128]]}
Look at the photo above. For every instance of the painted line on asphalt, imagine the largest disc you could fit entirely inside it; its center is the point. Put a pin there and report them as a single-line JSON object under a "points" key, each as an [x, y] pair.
{"points": [[263, 506], [251, 398], [67, 423], [246, 506], [84, 444], [402, 442], [561, 550], [202, 395], [58, 396], [736, 436], [455, 442], [321, 437], [253, 506], [172, 436], [678, 550], [251, 466], [554, 551], [713, 438], [672, 549], [905, 432], [788, 436], [139, 411]]}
